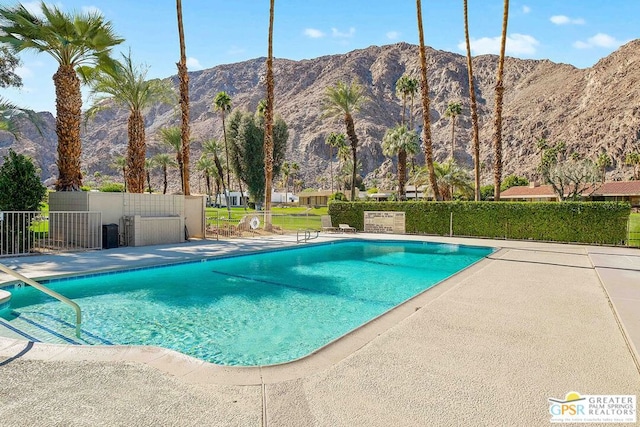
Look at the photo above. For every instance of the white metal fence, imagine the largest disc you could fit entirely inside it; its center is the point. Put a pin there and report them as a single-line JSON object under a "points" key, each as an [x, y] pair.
{"points": [[25, 233]]}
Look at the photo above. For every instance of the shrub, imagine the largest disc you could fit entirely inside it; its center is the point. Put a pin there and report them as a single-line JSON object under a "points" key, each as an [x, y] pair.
{"points": [[20, 185], [112, 187], [338, 196], [581, 222]]}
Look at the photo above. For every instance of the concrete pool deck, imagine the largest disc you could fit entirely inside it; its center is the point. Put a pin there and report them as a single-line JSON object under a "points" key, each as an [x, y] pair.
{"points": [[486, 347]]}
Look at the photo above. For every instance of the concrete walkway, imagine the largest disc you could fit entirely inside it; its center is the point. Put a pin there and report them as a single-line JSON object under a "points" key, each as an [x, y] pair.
{"points": [[487, 347]]}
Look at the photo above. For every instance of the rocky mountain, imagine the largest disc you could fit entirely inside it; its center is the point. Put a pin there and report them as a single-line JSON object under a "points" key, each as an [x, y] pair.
{"points": [[591, 109]]}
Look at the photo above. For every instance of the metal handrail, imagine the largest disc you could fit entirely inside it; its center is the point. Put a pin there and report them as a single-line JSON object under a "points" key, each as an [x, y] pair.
{"points": [[49, 292]]}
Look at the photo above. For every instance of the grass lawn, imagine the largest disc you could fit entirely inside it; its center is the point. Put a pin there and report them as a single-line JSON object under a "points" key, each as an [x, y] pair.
{"points": [[634, 230], [289, 218]]}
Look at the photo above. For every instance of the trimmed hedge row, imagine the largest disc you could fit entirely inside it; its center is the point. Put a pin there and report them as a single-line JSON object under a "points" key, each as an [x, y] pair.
{"points": [[580, 222]]}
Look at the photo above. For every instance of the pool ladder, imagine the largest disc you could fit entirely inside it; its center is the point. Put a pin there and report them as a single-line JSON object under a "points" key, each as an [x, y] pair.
{"points": [[306, 235], [47, 291]]}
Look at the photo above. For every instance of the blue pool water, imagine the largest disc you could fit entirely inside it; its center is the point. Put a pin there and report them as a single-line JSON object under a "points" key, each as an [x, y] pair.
{"points": [[246, 310]]}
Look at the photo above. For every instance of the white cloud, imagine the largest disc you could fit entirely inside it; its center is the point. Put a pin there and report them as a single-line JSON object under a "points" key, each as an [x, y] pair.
{"points": [[194, 64], [393, 35], [599, 40], [526, 9], [563, 20], [517, 44], [337, 33], [94, 10], [313, 33]]}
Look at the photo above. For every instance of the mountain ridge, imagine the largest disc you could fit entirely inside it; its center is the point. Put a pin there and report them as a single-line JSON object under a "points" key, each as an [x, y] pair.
{"points": [[591, 109]]}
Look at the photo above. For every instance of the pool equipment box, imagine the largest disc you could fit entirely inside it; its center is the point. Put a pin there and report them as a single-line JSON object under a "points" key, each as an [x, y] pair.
{"points": [[384, 222]]}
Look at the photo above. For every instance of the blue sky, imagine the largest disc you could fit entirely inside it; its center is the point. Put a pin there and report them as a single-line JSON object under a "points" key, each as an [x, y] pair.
{"points": [[578, 32]]}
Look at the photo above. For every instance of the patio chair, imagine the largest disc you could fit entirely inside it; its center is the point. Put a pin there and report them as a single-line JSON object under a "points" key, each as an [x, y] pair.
{"points": [[326, 224], [346, 228]]}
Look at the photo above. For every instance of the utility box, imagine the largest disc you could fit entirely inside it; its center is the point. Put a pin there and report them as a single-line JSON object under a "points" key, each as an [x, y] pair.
{"points": [[109, 236]]}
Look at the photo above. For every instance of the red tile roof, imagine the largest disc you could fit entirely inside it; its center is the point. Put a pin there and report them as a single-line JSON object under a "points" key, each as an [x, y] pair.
{"points": [[612, 188]]}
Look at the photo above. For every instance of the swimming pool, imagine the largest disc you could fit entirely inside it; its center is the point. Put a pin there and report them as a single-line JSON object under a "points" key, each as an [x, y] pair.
{"points": [[246, 310]]}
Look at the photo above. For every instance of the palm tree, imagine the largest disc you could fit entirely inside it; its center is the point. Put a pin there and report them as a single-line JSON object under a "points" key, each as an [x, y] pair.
{"points": [[603, 162], [412, 88], [126, 84], [148, 166], [212, 146], [334, 140], [453, 110], [633, 160], [222, 103], [172, 138], [120, 164], [449, 176], [77, 42], [402, 90], [497, 123], [474, 107], [343, 100], [208, 169], [164, 161], [400, 141], [268, 125], [426, 120], [285, 170], [183, 76]]}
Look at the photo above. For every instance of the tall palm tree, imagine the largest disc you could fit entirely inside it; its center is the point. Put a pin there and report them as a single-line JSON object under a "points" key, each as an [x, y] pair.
{"points": [[164, 161], [400, 141], [334, 140], [268, 125], [120, 164], [454, 109], [77, 42], [343, 100], [126, 84], [412, 89], [171, 137], [474, 108], [183, 76], [212, 147], [497, 122], [402, 90], [426, 119], [222, 103]]}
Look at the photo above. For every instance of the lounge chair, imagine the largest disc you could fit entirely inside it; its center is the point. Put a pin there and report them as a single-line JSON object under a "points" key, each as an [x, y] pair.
{"points": [[346, 228], [326, 224]]}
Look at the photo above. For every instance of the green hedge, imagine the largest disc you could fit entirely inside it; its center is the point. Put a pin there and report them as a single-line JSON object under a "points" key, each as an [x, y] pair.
{"points": [[581, 222]]}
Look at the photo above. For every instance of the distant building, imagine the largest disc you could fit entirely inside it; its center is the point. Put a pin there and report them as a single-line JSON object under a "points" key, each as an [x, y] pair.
{"points": [[320, 198], [615, 191]]}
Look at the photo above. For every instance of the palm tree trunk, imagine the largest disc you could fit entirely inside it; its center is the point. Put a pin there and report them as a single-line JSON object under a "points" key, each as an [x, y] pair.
{"points": [[164, 179], [424, 92], [474, 108], [136, 153], [184, 103], [226, 150], [68, 106], [268, 126], [216, 160], [453, 136], [148, 181], [402, 174], [351, 134], [124, 177], [208, 181], [497, 123], [331, 166]]}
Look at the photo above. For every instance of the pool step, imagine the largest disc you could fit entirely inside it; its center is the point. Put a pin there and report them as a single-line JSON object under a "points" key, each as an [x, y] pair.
{"points": [[44, 327]]}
